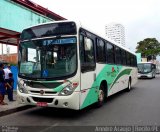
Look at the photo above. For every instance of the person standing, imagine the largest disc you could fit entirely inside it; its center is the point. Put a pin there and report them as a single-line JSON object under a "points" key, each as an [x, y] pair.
{"points": [[7, 71], [2, 85], [10, 85]]}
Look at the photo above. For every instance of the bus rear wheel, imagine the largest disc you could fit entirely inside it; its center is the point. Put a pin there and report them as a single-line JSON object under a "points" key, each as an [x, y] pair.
{"points": [[129, 85]]}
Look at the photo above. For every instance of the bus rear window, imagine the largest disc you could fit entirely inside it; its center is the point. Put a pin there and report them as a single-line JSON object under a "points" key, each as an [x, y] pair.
{"points": [[52, 29]]}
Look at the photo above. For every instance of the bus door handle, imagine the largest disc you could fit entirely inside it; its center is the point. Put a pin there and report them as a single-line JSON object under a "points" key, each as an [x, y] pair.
{"points": [[94, 76]]}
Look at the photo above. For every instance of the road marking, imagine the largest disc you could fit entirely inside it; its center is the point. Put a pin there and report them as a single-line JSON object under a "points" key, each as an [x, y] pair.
{"points": [[48, 128]]}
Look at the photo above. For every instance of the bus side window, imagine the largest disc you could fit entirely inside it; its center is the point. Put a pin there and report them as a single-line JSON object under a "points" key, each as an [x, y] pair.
{"points": [[89, 50], [110, 53], [82, 49], [100, 51], [118, 55], [123, 57], [132, 60], [87, 54], [128, 58]]}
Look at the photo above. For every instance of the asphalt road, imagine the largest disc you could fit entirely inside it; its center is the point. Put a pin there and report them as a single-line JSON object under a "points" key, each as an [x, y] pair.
{"points": [[140, 106]]}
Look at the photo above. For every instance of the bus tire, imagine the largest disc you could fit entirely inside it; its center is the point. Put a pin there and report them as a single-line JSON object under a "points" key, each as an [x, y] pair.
{"points": [[154, 75], [129, 85], [101, 96]]}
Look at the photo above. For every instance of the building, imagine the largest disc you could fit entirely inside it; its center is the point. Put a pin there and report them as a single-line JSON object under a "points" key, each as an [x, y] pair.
{"points": [[10, 58], [116, 32], [16, 15]]}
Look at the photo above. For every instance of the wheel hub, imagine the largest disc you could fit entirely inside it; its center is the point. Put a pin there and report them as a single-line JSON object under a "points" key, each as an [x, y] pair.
{"points": [[101, 95]]}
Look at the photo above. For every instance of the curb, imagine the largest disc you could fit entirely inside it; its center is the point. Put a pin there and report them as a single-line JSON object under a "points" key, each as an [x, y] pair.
{"points": [[11, 111]]}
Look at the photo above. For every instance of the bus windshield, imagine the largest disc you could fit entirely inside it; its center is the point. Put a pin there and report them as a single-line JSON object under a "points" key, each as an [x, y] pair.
{"points": [[144, 68], [47, 58]]}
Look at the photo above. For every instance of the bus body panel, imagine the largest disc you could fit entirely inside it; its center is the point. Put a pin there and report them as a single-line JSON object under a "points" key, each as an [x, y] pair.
{"points": [[117, 78], [71, 101], [88, 91]]}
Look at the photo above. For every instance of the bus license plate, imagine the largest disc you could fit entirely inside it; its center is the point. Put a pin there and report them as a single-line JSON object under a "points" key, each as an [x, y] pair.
{"points": [[42, 104]]}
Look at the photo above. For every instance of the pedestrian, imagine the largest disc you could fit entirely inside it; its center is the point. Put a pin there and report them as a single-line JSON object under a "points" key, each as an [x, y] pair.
{"points": [[10, 84], [7, 70], [2, 85]]}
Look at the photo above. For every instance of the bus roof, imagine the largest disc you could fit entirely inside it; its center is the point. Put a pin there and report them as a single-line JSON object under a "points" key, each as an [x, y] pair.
{"points": [[79, 24]]}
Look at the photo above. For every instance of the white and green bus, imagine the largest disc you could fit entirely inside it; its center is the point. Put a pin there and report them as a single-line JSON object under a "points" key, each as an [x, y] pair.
{"points": [[146, 70], [63, 65]]}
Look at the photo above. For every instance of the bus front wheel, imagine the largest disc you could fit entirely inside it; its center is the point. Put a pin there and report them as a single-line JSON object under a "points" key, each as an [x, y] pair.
{"points": [[101, 96]]}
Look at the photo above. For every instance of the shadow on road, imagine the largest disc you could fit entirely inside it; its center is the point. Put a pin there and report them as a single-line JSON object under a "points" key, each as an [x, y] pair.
{"points": [[119, 94], [60, 113]]}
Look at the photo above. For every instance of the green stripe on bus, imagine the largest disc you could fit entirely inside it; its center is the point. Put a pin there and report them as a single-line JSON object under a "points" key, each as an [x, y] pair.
{"points": [[92, 95], [122, 73], [108, 74]]}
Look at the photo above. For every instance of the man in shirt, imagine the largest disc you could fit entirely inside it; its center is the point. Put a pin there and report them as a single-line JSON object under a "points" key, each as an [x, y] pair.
{"points": [[7, 71]]}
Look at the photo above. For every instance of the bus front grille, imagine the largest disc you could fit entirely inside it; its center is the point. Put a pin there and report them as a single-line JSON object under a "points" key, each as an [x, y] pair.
{"points": [[144, 76], [49, 85], [47, 100], [46, 92]]}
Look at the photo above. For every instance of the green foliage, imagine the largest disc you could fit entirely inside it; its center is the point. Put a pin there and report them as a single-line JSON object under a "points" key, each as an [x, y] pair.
{"points": [[148, 47]]}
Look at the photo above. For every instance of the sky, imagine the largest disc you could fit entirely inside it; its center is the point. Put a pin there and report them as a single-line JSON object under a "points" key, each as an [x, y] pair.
{"points": [[141, 18]]}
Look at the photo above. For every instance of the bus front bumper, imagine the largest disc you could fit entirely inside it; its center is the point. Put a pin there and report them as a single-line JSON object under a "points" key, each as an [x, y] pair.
{"points": [[70, 101], [145, 76]]}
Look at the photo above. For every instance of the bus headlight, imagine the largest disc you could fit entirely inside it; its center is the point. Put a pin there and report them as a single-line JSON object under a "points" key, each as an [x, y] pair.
{"points": [[22, 88], [68, 90]]}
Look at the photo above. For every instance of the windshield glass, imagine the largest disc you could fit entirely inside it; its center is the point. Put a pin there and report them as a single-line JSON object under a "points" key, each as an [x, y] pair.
{"points": [[144, 68], [47, 58]]}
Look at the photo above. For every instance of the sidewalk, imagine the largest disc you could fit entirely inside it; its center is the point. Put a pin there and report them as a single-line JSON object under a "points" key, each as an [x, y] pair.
{"points": [[13, 106]]}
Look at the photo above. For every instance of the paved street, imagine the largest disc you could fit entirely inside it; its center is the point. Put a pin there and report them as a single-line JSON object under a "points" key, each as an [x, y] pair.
{"points": [[140, 106]]}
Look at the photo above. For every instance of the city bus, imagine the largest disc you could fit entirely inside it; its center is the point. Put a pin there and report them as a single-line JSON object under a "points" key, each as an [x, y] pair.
{"points": [[146, 70], [64, 65]]}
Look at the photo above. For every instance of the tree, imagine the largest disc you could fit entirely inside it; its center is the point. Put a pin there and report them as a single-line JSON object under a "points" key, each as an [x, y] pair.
{"points": [[149, 48]]}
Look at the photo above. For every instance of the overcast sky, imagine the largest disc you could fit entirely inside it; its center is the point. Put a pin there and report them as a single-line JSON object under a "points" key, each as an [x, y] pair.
{"points": [[141, 18]]}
